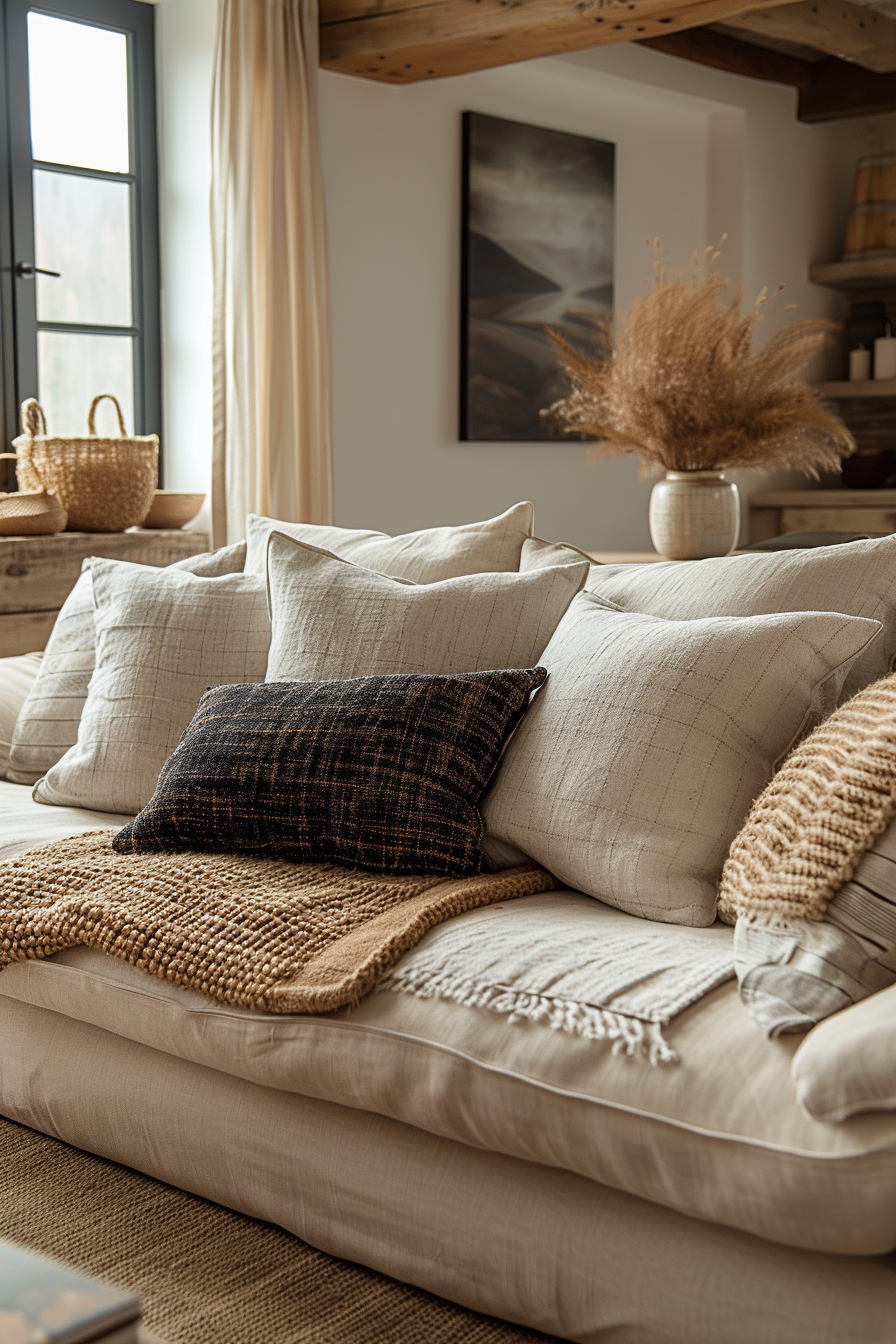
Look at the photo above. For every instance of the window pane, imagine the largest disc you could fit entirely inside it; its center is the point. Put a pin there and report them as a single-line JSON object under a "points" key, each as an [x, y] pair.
{"points": [[82, 228], [78, 81], [73, 368]]}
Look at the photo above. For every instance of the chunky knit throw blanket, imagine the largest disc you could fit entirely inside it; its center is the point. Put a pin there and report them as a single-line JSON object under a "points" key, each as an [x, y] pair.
{"points": [[255, 933], [808, 830]]}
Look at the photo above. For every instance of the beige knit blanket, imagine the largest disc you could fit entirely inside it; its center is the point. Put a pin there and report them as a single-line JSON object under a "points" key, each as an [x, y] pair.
{"points": [[255, 933], [808, 830]]}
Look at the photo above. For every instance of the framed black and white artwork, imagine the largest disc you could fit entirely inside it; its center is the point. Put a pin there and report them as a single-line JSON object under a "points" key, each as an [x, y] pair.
{"points": [[537, 254]]}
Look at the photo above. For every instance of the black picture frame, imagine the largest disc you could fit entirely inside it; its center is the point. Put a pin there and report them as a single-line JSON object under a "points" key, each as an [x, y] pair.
{"points": [[536, 253]]}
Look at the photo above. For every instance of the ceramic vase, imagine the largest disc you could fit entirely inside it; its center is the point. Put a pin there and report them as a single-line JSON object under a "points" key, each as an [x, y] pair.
{"points": [[694, 514]]}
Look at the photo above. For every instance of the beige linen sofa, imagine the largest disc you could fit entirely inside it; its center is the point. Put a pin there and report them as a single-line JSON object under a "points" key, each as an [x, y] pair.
{"points": [[517, 1170]]}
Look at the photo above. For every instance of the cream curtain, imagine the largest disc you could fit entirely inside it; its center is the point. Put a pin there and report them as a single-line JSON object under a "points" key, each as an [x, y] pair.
{"points": [[272, 377]]}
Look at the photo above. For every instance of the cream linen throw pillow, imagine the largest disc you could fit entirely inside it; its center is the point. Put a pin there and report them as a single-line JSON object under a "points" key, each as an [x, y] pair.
{"points": [[332, 619], [423, 557], [17, 676], [162, 638], [858, 578], [48, 723], [638, 761]]}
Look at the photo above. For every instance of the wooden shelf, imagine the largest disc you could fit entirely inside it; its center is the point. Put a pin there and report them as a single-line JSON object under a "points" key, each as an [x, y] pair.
{"points": [[823, 498], [879, 273], [844, 391]]}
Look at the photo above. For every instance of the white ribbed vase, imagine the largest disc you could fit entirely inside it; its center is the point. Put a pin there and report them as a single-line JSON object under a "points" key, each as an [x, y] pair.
{"points": [[694, 514]]}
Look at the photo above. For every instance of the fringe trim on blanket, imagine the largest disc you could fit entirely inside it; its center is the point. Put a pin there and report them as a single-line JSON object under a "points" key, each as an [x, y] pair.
{"points": [[629, 1035]]}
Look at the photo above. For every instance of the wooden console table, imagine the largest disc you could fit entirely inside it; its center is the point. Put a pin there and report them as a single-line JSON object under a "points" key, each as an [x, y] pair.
{"points": [[38, 573], [775, 512]]}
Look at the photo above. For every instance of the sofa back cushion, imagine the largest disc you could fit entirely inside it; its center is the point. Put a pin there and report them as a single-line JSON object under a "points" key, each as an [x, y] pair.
{"points": [[429, 556], [639, 760], [48, 722], [163, 637], [858, 579], [334, 619]]}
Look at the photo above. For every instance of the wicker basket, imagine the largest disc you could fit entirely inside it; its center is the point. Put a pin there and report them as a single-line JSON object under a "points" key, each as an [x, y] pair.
{"points": [[30, 513], [105, 485]]}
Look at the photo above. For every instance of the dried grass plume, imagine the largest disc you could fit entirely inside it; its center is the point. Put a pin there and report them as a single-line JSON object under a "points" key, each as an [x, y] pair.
{"points": [[681, 387]]}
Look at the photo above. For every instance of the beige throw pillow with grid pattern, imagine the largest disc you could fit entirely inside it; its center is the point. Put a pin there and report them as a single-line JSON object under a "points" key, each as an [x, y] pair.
{"points": [[858, 578], [162, 637], [17, 676], [333, 619], [48, 721], [637, 763], [429, 556]]}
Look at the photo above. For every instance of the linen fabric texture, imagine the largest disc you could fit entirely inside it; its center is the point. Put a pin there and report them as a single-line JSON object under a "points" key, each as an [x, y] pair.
{"points": [[333, 619], [17, 676], [743, 1156], [562, 1253], [48, 723], [429, 556], [639, 760], [163, 637], [381, 773], [847, 1064], [858, 579]]}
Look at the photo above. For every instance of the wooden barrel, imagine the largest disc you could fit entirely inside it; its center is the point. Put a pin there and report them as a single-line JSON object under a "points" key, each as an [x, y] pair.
{"points": [[871, 230]]}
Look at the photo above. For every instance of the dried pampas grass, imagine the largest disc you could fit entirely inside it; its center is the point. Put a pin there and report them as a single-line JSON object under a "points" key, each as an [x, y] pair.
{"points": [[682, 389]]}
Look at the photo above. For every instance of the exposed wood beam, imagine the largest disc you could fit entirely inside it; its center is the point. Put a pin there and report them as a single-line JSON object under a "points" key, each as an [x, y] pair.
{"points": [[722, 52], [829, 90], [840, 90], [837, 27], [427, 39]]}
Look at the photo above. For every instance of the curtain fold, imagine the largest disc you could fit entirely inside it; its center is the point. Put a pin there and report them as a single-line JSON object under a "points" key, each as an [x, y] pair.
{"points": [[271, 328]]}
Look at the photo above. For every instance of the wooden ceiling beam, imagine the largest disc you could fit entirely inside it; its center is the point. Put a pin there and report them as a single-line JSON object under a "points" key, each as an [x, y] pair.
{"points": [[839, 90], [722, 52], [401, 41], [837, 27], [829, 90]]}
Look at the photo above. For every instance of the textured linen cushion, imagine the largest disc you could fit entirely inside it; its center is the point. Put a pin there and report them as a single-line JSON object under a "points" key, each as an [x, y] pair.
{"points": [[423, 557], [811, 878], [539, 554], [640, 758], [858, 579], [17, 676], [382, 773], [162, 637], [332, 619], [847, 1065], [48, 723]]}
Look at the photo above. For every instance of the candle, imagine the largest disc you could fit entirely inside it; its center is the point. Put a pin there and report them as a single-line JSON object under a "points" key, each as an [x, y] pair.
{"points": [[859, 365], [885, 355]]}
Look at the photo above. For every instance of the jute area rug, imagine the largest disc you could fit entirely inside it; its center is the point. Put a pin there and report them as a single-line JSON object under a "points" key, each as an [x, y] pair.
{"points": [[207, 1274]]}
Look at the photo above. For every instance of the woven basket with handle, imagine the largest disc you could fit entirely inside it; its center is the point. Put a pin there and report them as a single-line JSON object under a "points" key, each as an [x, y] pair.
{"points": [[105, 485]]}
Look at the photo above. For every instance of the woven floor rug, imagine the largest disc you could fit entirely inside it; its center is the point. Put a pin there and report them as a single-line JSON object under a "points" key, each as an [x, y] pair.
{"points": [[204, 1273], [255, 933]]}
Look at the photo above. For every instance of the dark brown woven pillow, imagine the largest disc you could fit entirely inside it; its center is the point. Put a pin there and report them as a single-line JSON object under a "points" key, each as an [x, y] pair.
{"points": [[383, 773]]}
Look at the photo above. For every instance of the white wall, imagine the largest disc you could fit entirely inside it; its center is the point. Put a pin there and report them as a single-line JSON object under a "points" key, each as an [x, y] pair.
{"points": [[699, 152]]}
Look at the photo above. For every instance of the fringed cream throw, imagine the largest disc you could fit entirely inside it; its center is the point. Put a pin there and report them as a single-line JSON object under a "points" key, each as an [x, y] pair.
{"points": [[574, 964], [811, 878], [255, 933]]}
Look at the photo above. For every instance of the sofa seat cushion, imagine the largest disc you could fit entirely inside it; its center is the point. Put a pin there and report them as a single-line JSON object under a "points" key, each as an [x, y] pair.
{"points": [[719, 1136], [25, 823]]}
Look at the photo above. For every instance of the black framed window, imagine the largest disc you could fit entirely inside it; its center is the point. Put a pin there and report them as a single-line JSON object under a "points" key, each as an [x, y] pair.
{"points": [[79, 245]]}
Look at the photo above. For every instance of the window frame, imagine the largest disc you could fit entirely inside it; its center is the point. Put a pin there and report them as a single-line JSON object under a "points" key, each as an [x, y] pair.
{"points": [[18, 295]]}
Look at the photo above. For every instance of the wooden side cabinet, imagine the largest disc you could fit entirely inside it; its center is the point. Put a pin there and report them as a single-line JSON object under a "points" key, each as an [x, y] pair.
{"points": [[775, 512], [38, 573]]}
